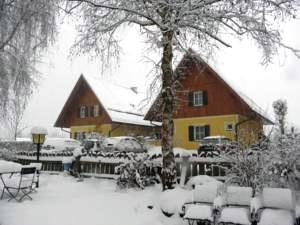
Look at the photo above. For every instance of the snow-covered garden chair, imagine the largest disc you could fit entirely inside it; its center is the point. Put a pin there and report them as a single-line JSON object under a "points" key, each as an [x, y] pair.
{"points": [[275, 206], [38, 167], [235, 207], [19, 187], [201, 210]]}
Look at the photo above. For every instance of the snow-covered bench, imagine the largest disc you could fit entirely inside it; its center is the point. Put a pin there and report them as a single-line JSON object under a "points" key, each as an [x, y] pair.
{"points": [[234, 207], [201, 209], [275, 206]]}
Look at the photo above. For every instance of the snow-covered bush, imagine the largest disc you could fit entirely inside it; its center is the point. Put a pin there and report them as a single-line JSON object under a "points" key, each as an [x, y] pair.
{"points": [[201, 180], [171, 201], [138, 172], [247, 166], [284, 162]]}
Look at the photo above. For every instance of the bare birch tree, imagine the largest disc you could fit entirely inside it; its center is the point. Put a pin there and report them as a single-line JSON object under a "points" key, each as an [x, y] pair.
{"points": [[26, 28], [175, 25], [16, 106]]}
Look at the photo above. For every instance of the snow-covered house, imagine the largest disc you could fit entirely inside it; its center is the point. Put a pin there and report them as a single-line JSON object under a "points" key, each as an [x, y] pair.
{"points": [[207, 105], [109, 109]]}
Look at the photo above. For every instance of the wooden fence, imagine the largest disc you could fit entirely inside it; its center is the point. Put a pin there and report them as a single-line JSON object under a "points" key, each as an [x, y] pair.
{"points": [[106, 168]]}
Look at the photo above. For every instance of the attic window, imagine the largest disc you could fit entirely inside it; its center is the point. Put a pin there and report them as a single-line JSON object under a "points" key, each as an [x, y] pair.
{"points": [[96, 110], [82, 112], [198, 98]]}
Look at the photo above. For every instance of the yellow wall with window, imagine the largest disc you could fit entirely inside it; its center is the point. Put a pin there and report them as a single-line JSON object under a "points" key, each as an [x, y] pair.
{"points": [[102, 129], [116, 130], [216, 124], [249, 131]]}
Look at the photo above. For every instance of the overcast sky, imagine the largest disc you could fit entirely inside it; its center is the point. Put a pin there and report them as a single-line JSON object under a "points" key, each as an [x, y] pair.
{"points": [[239, 64]]}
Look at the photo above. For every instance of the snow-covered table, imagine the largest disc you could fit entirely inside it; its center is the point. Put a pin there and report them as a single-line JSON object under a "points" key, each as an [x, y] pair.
{"points": [[6, 168]]}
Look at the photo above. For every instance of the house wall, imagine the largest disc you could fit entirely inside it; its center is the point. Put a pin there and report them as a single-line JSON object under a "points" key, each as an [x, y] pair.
{"points": [[133, 130], [101, 129], [221, 99], [216, 123], [249, 131], [81, 95], [223, 106], [115, 129]]}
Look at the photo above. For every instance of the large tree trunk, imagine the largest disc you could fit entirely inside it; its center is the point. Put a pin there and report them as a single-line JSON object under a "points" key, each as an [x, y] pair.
{"points": [[168, 171]]}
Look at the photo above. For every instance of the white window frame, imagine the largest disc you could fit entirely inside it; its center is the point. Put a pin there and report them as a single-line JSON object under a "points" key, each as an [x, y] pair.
{"points": [[226, 126], [82, 112], [198, 98], [201, 131], [96, 110]]}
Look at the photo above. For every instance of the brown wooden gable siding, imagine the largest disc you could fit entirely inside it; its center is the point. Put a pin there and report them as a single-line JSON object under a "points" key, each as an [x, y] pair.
{"points": [[81, 95], [221, 99], [194, 75]]}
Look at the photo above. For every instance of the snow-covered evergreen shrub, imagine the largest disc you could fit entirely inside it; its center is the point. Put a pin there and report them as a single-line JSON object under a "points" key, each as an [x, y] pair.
{"points": [[138, 172]]}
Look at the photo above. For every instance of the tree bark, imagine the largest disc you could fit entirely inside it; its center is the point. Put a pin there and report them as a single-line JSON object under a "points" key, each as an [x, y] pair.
{"points": [[168, 171]]}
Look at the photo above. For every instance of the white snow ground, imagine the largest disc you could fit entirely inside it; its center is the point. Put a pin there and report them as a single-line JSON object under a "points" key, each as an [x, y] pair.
{"points": [[61, 199]]}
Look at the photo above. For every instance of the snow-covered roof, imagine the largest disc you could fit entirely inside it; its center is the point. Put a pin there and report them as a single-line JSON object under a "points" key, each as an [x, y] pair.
{"points": [[121, 103]]}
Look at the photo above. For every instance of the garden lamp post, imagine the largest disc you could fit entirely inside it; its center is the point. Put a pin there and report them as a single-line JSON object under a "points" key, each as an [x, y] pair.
{"points": [[38, 138]]}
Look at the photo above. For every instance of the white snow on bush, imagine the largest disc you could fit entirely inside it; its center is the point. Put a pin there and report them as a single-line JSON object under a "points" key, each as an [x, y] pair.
{"points": [[202, 179], [156, 150], [280, 198], [6, 166], [66, 160], [171, 201], [298, 211], [276, 217], [238, 195]]}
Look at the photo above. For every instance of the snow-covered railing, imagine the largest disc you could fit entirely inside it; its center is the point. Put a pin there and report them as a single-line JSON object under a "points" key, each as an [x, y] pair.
{"points": [[104, 163]]}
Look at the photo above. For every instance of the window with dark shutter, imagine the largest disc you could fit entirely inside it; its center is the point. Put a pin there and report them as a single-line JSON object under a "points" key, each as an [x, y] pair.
{"points": [[207, 130], [205, 98], [86, 111], [191, 133], [78, 112], [91, 114], [191, 98], [199, 132]]}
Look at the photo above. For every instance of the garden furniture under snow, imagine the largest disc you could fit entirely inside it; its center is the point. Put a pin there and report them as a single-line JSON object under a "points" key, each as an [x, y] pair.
{"points": [[201, 209], [234, 207], [275, 206], [38, 167], [20, 185]]}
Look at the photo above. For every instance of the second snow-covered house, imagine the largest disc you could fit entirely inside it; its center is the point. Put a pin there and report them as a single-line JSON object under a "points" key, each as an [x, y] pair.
{"points": [[207, 105], [99, 106]]}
